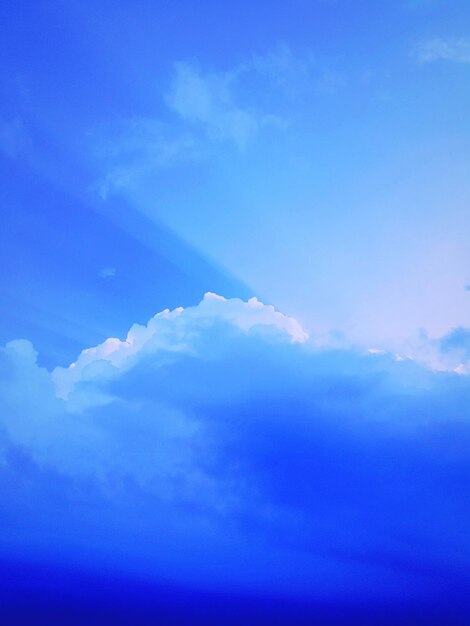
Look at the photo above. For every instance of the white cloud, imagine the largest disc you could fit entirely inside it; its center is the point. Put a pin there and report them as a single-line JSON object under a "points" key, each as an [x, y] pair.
{"points": [[193, 331], [173, 331], [456, 50]]}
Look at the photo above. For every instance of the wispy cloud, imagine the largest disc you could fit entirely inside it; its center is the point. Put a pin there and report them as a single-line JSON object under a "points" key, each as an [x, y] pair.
{"points": [[208, 111], [208, 100], [130, 149], [456, 50], [207, 115]]}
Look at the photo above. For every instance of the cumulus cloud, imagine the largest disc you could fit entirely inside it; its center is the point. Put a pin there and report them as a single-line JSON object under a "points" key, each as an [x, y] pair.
{"points": [[217, 433], [174, 331], [456, 50]]}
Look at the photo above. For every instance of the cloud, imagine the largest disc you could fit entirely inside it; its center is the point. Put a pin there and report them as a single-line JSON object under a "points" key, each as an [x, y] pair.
{"points": [[132, 148], [450, 353], [208, 101], [219, 434], [174, 331], [456, 50], [209, 111], [208, 116]]}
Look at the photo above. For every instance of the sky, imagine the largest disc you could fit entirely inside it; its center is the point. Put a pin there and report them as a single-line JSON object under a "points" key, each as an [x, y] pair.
{"points": [[235, 311]]}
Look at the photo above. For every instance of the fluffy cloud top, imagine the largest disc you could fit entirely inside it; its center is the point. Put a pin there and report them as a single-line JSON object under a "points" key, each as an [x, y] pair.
{"points": [[175, 331]]}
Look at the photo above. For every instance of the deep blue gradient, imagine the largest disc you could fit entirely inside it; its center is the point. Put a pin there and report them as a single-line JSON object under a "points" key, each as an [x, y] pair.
{"points": [[47, 595]]}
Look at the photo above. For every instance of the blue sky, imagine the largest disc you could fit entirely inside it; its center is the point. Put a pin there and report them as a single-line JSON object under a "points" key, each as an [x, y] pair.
{"points": [[307, 167], [323, 149]]}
